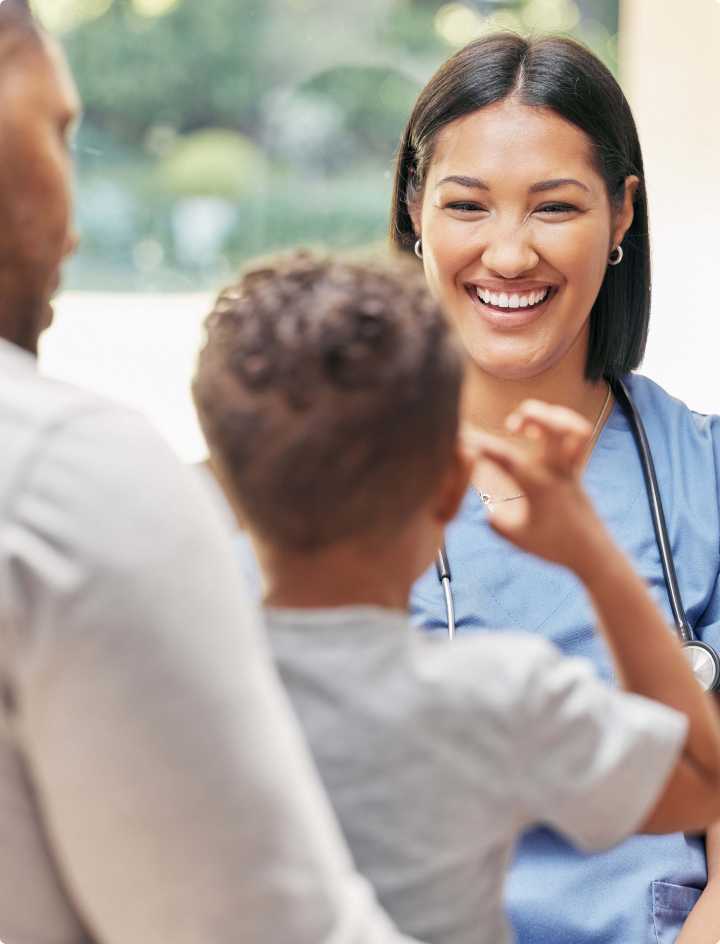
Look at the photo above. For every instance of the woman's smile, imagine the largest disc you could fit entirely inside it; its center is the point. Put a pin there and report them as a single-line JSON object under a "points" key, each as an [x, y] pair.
{"points": [[511, 307]]}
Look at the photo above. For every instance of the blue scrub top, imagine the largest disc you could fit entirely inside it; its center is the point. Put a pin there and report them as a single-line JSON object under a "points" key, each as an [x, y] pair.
{"points": [[639, 892]]}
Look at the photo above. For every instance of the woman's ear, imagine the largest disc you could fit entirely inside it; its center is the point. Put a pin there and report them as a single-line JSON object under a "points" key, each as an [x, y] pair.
{"points": [[415, 212], [626, 212]]}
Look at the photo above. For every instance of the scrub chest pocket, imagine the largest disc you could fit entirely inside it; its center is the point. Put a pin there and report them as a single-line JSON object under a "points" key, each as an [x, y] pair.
{"points": [[671, 904]]}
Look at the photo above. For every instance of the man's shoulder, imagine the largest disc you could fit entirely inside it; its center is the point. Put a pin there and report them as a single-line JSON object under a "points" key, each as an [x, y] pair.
{"points": [[25, 390], [44, 420], [99, 462], [91, 496], [34, 406]]}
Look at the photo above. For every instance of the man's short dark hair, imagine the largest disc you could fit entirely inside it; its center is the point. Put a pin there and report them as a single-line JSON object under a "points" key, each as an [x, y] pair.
{"points": [[16, 12], [17, 25], [328, 390]]}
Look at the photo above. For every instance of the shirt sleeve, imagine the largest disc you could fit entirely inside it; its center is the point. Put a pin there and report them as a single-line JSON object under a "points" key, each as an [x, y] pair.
{"points": [[176, 793], [594, 760]]}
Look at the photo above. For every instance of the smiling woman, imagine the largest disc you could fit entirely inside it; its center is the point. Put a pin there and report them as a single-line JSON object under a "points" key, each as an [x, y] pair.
{"points": [[547, 156], [520, 185]]}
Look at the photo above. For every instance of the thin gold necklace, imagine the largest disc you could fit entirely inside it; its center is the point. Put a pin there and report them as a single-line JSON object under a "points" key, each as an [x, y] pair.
{"points": [[489, 500]]}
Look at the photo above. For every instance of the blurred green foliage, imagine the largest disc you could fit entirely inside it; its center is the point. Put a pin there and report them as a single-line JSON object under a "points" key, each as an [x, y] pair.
{"points": [[215, 131], [213, 162]]}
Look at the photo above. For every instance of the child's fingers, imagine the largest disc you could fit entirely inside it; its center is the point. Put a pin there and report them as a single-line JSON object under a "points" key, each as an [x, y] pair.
{"points": [[557, 451], [509, 457], [515, 461], [472, 438], [563, 434], [557, 420]]}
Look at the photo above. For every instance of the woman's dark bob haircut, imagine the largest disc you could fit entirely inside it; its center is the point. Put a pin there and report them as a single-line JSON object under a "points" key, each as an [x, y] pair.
{"points": [[561, 75]]}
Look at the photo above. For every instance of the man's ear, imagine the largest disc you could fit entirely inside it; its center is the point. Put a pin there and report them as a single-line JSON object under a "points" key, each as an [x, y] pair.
{"points": [[625, 214], [454, 483]]}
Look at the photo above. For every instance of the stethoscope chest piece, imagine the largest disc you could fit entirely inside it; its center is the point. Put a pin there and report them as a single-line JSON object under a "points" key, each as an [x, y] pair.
{"points": [[705, 663]]}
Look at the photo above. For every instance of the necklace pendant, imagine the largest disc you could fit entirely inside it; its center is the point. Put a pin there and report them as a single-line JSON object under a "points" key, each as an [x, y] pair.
{"points": [[485, 498]]}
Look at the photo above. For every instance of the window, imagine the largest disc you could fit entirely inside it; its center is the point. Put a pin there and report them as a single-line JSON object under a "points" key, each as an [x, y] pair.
{"points": [[214, 132]]}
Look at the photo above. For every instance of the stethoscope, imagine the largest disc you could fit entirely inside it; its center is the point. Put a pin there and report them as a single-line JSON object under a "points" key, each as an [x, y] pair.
{"points": [[704, 660]]}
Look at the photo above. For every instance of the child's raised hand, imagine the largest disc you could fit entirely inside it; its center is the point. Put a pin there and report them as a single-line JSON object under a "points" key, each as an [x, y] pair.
{"points": [[555, 518]]}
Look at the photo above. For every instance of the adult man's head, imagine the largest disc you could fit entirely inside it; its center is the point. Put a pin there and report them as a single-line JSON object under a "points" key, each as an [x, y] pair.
{"points": [[38, 106]]}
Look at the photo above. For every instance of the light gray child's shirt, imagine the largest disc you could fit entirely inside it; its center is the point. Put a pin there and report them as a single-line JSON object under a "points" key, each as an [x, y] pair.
{"points": [[436, 756]]}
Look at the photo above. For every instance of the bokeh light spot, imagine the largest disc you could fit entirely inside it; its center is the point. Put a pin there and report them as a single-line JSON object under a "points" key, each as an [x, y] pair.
{"points": [[551, 15], [151, 8], [59, 16], [457, 24], [505, 20]]}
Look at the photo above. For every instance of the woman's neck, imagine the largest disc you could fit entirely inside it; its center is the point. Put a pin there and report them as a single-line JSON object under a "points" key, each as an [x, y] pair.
{"points": [[489, 400]]}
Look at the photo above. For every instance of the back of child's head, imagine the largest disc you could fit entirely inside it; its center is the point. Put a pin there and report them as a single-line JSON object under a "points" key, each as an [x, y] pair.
{"points": [[328, 392]]}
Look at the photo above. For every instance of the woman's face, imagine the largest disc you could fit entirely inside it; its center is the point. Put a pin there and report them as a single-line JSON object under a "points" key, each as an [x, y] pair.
{"points": [[516, 228], [38, 107]]}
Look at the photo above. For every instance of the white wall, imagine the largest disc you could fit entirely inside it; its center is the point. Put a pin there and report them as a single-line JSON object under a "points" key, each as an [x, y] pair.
{"points": [[670, 61]]}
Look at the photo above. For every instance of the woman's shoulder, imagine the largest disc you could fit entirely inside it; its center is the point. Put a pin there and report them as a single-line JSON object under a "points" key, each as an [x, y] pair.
{"points": [[660, 408], [685, 444]]}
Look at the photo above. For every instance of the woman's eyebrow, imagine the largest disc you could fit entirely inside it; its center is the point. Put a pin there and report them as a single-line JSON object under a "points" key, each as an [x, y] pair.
{"points": [[472, 182], [544, 185], [475, 183]]}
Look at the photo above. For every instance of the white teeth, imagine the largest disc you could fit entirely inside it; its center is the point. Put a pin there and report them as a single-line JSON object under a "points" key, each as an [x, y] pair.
{"points": [[515, 300]]}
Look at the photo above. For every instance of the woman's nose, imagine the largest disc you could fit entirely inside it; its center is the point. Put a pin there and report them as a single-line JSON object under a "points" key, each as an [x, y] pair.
{"points": [[510, 254]]}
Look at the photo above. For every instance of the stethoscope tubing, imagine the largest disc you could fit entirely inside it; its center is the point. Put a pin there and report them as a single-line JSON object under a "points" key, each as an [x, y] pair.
{"points": [[682, 625], [445, 577]]}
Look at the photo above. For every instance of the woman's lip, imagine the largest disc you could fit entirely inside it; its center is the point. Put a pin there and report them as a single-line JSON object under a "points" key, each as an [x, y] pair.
{"points": [[509, 319]]}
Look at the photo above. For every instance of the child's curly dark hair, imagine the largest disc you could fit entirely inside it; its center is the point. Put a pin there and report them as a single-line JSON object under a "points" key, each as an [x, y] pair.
{"points": [[328, 392]]}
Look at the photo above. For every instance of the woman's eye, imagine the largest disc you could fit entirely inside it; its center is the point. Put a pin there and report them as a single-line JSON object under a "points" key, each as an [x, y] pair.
{"points": [[465, 207], [555, 209]]}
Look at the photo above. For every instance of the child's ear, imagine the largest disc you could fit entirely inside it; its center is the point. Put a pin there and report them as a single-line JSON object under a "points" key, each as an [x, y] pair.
{"points": [[454, 484]]}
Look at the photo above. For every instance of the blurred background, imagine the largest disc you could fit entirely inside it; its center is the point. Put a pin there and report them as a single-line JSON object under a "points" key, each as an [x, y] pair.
{"points": [[214, 131]]}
